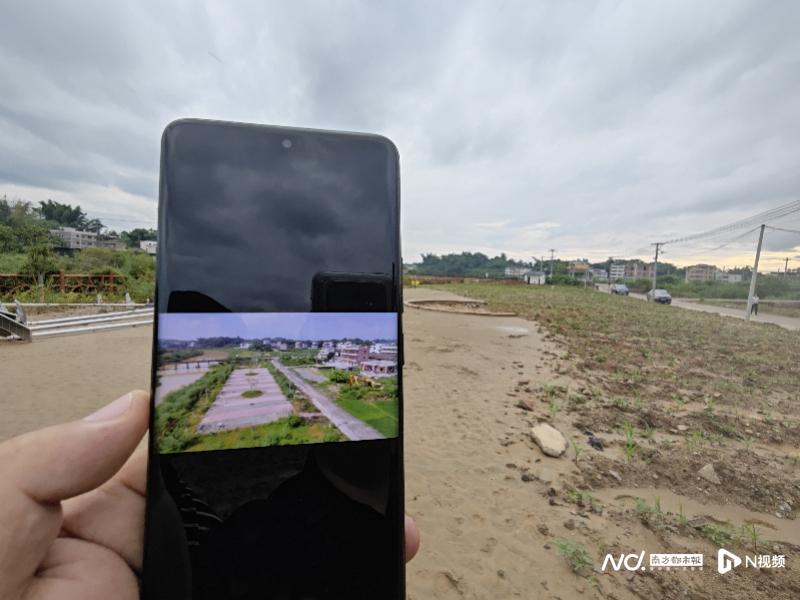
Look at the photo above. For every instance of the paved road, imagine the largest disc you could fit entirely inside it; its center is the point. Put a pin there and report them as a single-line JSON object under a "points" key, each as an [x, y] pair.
{"points": [[791, 323], [353, 428], [231, 410]]}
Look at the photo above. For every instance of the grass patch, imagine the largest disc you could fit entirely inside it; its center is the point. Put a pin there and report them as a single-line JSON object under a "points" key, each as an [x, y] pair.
{"points": [[576, 555], [658, 351], [252, 394], [299, 401], [283, 432], [180, 412], [376, 406]]}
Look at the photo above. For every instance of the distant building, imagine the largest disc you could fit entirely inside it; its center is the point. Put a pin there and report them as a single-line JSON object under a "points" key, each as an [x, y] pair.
{"points": [[617, 271], [75, 238], [112, 243], [353, 354], [281, 345], [535, 278], [701, 273], [637, 269], [149, 246], [599, 274], [383, 352], [728, 277], [244, 345], [580, 269], [300, 345], [379, 368], [518, 272]]}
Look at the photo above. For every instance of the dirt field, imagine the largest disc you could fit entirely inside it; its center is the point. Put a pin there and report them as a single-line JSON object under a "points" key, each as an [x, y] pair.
{"points": [[499, 519]]}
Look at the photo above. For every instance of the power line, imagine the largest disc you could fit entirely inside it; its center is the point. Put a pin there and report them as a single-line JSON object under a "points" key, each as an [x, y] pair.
{"points": [[782, 229], [768, 215]]}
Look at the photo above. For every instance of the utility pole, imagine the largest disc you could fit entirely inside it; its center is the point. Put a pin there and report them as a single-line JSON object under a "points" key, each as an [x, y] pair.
{"points": [[786, 267], [754, 275], [552, 255], [655, 263]]}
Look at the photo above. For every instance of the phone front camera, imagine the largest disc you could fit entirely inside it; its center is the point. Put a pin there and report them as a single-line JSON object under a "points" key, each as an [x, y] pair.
{"points": [[286, 144]]}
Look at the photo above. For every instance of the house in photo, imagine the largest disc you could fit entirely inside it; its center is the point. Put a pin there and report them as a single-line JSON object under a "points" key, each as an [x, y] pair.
{"points": [[379, 368], [353, 354], [599, 274], [516, 272], [383, 352], [638, 269], [701, 273]]}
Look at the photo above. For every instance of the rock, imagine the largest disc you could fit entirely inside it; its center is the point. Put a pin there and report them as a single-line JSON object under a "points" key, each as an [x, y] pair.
{"points": [[615, 475], [683, 428], [543, 529], [527, 477], [784, 508], [524, 405], [569, 524], [549, 439], [709, 474]]}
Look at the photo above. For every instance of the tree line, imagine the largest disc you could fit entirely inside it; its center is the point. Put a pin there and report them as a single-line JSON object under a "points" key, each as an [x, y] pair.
{"points": [[24, 225]]}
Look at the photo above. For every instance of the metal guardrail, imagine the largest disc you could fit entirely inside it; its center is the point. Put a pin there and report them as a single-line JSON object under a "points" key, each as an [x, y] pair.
{"points": [[14, 325], [9, 326]]}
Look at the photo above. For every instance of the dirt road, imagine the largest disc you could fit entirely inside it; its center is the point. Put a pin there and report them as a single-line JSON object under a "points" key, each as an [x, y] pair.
{"points": [[791, 323]]}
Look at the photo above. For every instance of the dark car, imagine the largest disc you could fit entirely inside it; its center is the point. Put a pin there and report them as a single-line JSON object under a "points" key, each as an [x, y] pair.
{"points": [[660, 296], [620, 288]]}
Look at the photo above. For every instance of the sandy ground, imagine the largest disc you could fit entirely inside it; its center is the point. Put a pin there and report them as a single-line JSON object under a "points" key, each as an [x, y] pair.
{"points": [[490, 505], [54, 380]]}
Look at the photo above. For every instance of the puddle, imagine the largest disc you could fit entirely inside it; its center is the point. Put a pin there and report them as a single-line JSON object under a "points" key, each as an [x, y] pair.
{"points": [[513, 331], [772, 528]]}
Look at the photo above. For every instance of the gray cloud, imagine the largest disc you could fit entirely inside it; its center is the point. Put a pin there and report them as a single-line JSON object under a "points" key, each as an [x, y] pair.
{"points": [[594, 128]]}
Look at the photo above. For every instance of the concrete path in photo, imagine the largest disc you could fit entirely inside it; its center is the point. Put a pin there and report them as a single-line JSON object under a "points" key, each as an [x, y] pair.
{"points": [[171, 380], [352, 427], [231, 410]]}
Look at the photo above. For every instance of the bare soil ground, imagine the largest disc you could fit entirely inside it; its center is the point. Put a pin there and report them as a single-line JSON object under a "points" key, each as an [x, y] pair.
{"points": [[666, 392]]}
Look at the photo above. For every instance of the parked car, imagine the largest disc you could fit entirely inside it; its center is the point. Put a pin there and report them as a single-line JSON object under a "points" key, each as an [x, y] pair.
{"points": [[660, 296], [620, 288]]}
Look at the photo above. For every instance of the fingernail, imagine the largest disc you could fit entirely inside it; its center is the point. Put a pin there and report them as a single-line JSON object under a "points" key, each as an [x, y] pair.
{"points": [[112, 411]]}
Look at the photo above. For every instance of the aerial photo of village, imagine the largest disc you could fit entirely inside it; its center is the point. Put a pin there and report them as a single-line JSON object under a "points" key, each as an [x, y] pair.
{"points": [[227, 380]]}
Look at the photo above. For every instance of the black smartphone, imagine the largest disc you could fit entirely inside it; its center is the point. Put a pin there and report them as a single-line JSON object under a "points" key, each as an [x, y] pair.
{"points": [[276, 448]]}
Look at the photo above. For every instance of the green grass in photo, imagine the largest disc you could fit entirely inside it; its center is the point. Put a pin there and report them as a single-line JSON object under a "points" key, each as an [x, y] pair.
{"points": [[283, 432]]}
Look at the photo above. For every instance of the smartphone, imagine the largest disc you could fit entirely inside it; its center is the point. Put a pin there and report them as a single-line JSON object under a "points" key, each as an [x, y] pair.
{"points": [[276, 434]]}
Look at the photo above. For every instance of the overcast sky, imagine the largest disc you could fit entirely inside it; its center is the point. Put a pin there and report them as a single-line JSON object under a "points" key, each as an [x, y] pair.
{"points": [[591, 128]]}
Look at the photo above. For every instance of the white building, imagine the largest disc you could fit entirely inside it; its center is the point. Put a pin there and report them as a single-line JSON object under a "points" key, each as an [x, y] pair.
{"points": [[75, 238], [149, 246], [535, 278], [383, 352], [617, 271], [728, 277]]}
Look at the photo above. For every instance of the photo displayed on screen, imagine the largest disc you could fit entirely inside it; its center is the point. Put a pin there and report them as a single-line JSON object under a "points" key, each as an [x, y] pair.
{"points": [[245, 380]]}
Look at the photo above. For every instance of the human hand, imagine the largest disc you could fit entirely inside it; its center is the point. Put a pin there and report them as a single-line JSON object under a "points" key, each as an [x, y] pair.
{"points": [[73, 499]]}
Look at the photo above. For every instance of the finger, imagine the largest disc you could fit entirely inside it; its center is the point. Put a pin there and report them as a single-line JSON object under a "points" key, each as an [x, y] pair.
{"points": [[39, 469], [412, 538], [63, 461], [78, 570], [113, 514]]}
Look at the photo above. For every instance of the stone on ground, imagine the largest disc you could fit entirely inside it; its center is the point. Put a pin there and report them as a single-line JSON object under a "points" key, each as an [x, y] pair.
{"points": [[549, 439]]}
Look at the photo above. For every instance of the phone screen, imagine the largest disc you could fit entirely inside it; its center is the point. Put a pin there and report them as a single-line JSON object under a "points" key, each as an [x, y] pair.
{"points": [[275, 443]]}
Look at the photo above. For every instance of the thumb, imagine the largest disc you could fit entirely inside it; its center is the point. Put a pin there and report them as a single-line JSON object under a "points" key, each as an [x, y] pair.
{"points": [[56, 463]]}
